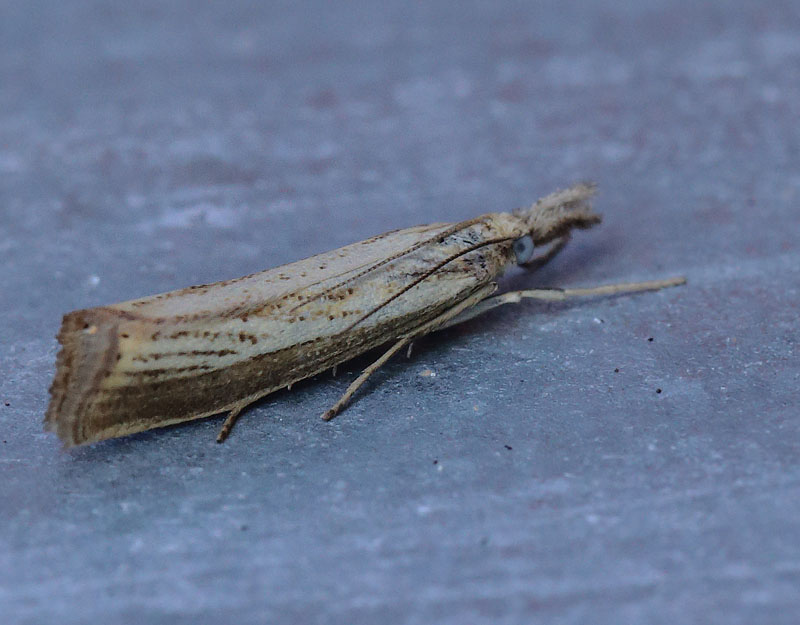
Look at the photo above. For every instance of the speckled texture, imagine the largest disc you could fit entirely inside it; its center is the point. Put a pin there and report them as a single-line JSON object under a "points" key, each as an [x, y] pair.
{"points": [[520, 468]]}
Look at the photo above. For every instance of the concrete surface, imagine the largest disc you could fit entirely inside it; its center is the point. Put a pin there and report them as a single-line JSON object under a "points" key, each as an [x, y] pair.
{"points": [[538, 477]]}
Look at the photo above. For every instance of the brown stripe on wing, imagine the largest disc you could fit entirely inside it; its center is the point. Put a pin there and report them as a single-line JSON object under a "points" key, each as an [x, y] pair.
{"points": [[144, 358]]}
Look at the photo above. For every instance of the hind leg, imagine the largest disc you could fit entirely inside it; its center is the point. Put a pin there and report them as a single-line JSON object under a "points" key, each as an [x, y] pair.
{"points": [[435, 324]]}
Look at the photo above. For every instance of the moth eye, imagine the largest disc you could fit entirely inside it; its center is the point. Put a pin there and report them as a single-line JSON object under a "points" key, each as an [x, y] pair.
{"points": [[523, 249]]}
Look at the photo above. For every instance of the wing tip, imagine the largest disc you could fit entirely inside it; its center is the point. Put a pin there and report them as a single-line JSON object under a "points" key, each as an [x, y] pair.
{"points": [[86, 337]]}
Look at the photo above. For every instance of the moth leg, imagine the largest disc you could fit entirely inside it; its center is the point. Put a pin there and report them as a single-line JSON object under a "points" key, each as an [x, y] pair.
{"points": [[233, 415], [407, 339], [559, 295], [542, 259], [348, 394]]}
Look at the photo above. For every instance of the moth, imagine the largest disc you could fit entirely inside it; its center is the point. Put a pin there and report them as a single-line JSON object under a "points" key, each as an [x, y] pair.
{"points": [[217, 348]]}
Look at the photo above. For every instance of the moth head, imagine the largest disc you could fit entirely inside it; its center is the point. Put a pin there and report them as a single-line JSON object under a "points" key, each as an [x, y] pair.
{"points": [[555, 216]]}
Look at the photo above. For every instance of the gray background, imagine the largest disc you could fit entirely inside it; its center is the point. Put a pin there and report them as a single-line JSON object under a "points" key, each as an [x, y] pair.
{"points": [[144, 149]]}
